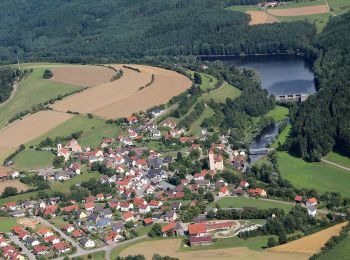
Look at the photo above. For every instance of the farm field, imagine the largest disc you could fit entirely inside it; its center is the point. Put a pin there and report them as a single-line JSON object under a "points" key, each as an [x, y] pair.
{"points": [[236, 250], [240, 202], [196, 125], [32, 159], [29, 128], [338, 159], [279, 113], [339, 252], [311, 244], [320, 176], [32, 91], [294, 4], [320, 20], [94, 130], [220, 94], [13, 183], [339, 6], [127, 95], [83, 76], [261, 17]]}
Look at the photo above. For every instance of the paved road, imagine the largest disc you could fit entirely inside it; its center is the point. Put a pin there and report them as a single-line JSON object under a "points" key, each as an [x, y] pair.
{"points": [[336, 165], [24, 249]]}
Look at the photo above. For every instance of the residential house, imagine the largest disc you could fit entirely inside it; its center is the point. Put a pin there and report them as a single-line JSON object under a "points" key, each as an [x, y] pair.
{"points": [[86, 242]]}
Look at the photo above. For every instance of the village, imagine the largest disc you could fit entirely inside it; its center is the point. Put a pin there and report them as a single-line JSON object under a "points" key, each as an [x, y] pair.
{"points": [[139, 193]]}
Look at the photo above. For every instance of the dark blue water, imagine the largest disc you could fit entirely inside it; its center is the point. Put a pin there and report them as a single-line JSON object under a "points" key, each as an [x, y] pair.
{"points": [[279, 74]]}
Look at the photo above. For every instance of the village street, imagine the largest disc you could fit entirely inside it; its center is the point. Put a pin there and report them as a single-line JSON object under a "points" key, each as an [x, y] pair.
{"points": [[15, 240]]}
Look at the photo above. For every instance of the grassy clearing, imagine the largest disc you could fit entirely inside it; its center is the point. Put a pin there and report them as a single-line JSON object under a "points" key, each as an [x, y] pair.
{"points": [[255, 243], [240, 202], [31, 91], [93, 130], [7, 224], [279, 113], [319, 176], [23, 196], [282, 137], [219, 95], [339, 252], [31, 159], [93, 256], [320, 20], [208, 82], [196, 125], [338, 159], [64, 186], [339, 6], [117, 250]]}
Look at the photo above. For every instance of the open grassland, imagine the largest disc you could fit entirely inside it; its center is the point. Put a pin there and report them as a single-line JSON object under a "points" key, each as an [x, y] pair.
{"points": [[338, 159], [221, 94], [225, 249], [64, 186], [32, 91], [32, 159], [84, 76], [22, 196], [6, 224], [339, 252], [125, 96], [13, 183], [29, 128], [319, 176], [279, 113], [208, 82], [241, 202], [282, 137], [310, 244], [196, 125], [261, 17], [320, 20], [94, 256], [339, 6], [295, 4]]}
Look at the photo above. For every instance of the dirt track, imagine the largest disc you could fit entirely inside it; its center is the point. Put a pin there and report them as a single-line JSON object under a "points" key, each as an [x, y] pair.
{"points": [[261, 17], [299, 11], [171, 247], [85, 76], [310, 244]]}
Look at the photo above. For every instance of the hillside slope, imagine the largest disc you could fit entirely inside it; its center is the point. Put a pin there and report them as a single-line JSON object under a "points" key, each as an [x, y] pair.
{"points": [[104, 30]]}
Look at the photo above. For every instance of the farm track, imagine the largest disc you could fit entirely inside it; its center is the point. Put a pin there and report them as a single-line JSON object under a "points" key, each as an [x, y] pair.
{"points": [[336, 165]]}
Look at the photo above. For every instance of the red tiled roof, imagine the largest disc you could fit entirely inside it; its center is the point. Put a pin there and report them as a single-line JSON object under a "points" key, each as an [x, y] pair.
{"points": [[128, 215], [168, 227], [195, 229], [148, 221]]}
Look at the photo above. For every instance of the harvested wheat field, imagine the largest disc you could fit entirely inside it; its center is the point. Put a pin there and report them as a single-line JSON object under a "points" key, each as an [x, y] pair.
{"points": [[260, 17], [299, 11], [83, 76], [310, 244], [171, 247], [13, 183], [30, 128], [122, 97]]}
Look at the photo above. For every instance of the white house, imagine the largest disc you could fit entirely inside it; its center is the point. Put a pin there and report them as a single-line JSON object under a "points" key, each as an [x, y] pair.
{"points": [[63, 152], [86, 242]]}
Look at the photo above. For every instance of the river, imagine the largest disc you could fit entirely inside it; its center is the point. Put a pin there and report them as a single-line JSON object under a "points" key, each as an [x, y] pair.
{"points": [[280, 75]]}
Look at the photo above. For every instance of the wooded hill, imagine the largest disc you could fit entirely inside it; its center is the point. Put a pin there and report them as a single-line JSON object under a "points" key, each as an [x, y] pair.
{"points": [[107, 30], [323, 121]]}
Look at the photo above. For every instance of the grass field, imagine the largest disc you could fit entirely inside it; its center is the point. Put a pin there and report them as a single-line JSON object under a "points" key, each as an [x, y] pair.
{"points": [[93, 256], [240, 202], [31, 91], [23, 196], [7, 224], [196, 125], [339, 6], [64, 186], [208, 82], [294, 4], [279, 113], [339, 252], [282, 137], [320, 176], [117, 250], [219, 95], [93, 130], [320, 20], [338, 159], [31, 159]]}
